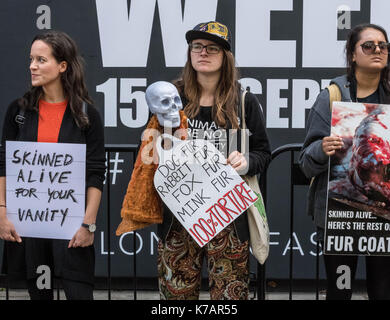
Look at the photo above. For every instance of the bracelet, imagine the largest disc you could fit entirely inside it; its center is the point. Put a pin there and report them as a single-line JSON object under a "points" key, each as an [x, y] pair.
{"points": [[3, 205]]}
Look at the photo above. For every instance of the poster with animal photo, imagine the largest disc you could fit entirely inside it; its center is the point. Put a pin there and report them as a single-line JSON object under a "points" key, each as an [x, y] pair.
{"points": [[358, 211]]}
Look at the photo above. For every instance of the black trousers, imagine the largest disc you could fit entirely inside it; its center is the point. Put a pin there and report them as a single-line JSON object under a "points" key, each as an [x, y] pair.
{"points": [[377, 276], [74, 290]]}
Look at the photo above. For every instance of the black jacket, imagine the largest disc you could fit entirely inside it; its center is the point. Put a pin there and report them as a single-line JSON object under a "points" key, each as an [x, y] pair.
{"points": [[20, 261], [93, 137]]}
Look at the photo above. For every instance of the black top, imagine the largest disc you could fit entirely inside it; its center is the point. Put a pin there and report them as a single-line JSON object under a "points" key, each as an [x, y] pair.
{"points": [[372, 98]]}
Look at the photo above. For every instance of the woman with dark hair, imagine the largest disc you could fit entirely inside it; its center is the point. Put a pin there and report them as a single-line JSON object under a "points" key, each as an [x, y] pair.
{"points": [[210, 94], [56, 109], [366, 81]]}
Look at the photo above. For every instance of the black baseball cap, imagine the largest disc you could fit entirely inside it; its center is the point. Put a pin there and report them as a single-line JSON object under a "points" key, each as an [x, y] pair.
{"points": [[212, 30]]}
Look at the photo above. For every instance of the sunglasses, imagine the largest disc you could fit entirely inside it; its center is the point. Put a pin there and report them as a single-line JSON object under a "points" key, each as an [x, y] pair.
{"points": [[369, 47]]}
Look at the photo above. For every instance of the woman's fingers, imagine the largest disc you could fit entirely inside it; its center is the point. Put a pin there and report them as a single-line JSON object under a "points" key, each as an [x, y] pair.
{"points": [[71, 242], [237, 161], [15, 236], [234, 159], [331, 144]]}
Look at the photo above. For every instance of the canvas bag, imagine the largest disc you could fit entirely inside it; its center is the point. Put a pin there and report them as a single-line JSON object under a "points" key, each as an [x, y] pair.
{"points": [[257, 218]]}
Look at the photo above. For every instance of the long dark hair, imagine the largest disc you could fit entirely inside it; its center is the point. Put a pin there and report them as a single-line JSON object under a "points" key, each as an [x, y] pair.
{"points": [[63, 49], [353, 38], [226, 94]]}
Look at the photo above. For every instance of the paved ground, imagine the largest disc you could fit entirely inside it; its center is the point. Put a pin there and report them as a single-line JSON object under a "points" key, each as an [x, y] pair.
{"points": [[18, 294]]}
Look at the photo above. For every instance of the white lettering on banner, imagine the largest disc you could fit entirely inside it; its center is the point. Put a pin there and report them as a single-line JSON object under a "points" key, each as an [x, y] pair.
{"points": [[108, 88], [300, 103], [102, 248], [174, 26], [320, 47], [153, 239], [140, 243], [134, 117], [275, 103], [304, 93], [145, 247], [297, 247], [125, 38], [321, 20], [271, 243], [313, 241], [44, 21], [380, 13], [137, 99], [114, 171], [253, 28]]}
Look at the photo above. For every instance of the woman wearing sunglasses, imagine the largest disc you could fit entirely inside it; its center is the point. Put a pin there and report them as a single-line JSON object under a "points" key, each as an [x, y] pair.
{"points": [[366, 81], [210, 94]]}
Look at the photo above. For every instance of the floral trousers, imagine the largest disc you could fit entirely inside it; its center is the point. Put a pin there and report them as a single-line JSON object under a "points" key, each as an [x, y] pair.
{"points": [[180, 262]]}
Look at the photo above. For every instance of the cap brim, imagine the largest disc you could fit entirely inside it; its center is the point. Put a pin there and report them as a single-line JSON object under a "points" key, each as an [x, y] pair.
{"points": [[192, 35]]}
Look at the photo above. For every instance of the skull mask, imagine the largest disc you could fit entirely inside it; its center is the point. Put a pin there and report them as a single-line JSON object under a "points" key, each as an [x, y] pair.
{"points": [[164, 101]]}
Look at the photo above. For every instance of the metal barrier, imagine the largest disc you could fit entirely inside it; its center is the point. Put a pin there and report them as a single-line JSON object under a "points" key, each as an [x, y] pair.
{"points": [[297, 178], [131, 148]]}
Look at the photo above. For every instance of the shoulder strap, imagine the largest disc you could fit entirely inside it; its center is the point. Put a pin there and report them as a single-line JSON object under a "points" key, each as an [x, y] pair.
{"points": [[19, 118], [243, 122], [334, 94]]}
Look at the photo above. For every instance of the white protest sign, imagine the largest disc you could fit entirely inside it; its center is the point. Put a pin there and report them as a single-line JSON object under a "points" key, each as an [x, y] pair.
{"points": [[202, 191], [45, 188]]}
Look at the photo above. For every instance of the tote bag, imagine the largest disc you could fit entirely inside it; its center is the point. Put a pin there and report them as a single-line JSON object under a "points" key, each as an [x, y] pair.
{"points": [[257, 218]]}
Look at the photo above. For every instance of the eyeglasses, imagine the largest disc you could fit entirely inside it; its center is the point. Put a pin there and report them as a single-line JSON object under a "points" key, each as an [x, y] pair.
{"points": [[210, 49], [369, 47]]}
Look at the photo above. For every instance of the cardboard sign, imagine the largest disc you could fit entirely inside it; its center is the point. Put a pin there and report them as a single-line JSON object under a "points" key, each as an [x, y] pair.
{"points": [[45, 188], [202, 191], [358, 212]]}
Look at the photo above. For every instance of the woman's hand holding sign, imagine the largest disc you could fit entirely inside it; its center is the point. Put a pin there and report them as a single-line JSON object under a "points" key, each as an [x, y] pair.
{"points": [[237, 161], [7, 229], [331, 144]]}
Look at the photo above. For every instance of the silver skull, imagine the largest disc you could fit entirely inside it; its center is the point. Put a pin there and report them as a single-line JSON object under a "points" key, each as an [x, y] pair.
{"points": [[164, 101]]}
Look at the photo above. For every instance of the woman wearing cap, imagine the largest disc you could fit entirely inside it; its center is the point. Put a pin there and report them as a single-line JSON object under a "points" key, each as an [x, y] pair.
{"points": [[56, 109], [366, 81], [211, 93]]}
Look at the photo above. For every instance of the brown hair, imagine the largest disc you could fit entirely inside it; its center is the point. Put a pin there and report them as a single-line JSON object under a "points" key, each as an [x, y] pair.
{"points": [[63, 49], [226, 95]]}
